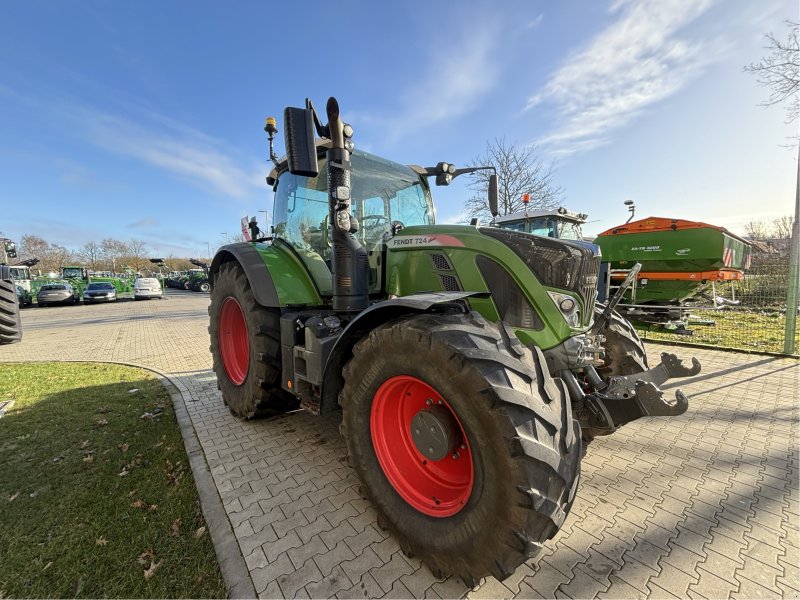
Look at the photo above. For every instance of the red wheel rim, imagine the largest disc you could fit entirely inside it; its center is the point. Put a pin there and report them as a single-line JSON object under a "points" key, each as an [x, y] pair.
{"points": [[438, 488], [234, 343]]}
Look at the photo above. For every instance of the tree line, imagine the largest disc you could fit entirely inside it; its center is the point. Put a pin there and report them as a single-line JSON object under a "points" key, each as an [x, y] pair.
{"points": [[109, 254]]}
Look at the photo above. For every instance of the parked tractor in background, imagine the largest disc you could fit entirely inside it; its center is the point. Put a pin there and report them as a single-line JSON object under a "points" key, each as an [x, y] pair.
{"points": [[10, 323], [198, 278], [468, 362], [21, 274]]}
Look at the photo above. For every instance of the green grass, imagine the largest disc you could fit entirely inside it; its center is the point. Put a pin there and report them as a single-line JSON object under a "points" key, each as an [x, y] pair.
{"points": [[92, 495], [741, 329]]}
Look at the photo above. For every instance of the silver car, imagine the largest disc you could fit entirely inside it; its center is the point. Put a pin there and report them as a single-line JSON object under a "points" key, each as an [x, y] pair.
{"points": [[56, 293], [99, 291]]}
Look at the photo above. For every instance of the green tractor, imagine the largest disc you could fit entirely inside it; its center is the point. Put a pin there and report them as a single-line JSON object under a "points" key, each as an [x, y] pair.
{"points": [[468, 362], [10, 323]]}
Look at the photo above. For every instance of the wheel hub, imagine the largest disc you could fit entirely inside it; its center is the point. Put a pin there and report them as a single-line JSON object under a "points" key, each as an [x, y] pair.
{"points": [[421, 446], [435, 432]]}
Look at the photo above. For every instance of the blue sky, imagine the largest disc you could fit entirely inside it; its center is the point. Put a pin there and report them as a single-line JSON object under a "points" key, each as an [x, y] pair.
{"points": [[144, 120]]}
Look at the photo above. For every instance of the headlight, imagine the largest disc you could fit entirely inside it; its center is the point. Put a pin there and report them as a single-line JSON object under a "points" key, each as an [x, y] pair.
{"points": [[568, 307]]}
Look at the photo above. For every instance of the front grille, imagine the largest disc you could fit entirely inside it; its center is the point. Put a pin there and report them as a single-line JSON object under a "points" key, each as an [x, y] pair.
{"points": [[511, 302], [556, 263], [449, 283], [440, 262]]}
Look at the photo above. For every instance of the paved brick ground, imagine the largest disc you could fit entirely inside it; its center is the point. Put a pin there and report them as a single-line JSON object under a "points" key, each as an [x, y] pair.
{"points": [[705, 505]]}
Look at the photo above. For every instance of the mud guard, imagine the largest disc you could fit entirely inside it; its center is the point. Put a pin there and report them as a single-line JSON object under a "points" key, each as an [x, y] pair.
{"points": [[379, 313]]}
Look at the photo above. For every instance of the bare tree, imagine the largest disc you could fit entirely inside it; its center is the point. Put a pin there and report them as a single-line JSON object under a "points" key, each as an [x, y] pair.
{"points": [[113, 251], [136, 254], [782, 227], [91, 254], [779, 71], [519, 171], [756, 230], [51, 256]]}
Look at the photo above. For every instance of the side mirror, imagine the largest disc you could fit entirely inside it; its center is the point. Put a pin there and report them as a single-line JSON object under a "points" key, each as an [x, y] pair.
{"points": [[301, 151], [11, 249], [493, 195]]}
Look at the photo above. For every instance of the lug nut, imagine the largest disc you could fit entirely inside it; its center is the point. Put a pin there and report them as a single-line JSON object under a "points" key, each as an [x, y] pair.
{"points": [[428, 401], [455, 455]]}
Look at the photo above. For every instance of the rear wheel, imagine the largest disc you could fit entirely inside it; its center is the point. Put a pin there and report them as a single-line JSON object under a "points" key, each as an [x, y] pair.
{"points": [[464, 443], [10, 324], [245, 345]]}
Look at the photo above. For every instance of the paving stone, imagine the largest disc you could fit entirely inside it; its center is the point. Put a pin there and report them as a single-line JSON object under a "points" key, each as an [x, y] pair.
{"points": [[281, 545], [491, 588], [673, 579], [749, 589], [721, 565], [620, 589], [284, 526], [452, 587], [582, 585], [366, 587], [329, 559], [264, 575], [362, 563], [359, 541], [390, 572], [547, 579], [635, 574], [300, 554], [564, 558], [293, 582], [331, 585], [759, 573]]}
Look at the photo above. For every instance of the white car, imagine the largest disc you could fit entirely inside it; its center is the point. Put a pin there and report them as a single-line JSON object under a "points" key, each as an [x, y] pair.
{"points": [[147, 287]]}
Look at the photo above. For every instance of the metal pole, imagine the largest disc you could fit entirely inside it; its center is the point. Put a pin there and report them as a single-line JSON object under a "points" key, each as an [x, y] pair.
{"points": [[794, 272]]}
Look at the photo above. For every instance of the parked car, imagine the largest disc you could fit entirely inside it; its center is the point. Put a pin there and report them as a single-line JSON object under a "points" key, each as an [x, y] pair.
{"points": [[147, 287], [24, 296], [100, 291], [57, 293]]}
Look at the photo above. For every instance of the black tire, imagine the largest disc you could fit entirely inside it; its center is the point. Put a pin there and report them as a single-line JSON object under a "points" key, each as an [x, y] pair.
{"points": [[625, 354], [260, 393], [204, 286], [525, 445], [10, 323]]}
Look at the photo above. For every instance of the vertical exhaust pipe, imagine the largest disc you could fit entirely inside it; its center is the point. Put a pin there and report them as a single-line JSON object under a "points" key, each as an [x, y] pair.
{"points": [[349, 263]]}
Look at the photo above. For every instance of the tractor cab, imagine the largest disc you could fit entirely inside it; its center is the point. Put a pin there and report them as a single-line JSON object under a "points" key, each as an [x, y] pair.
{"points": [[385, 198], [75, 273], [560, 223]]}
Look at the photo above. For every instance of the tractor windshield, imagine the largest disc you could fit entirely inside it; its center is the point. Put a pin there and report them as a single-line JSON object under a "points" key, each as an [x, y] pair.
{"points": [[72, 272], [547, 226], [383, 192]]}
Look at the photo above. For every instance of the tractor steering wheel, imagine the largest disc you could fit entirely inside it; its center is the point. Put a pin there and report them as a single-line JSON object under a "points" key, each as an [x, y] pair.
{"points": [[379, 220]]}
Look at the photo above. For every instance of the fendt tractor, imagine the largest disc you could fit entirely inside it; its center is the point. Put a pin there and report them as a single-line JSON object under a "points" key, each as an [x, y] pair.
{"points": [[10, 324], [469, 363]]}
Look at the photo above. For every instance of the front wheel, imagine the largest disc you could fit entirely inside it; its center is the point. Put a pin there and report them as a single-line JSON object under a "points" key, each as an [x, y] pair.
{"points": [[464, 443], [246, 347]]}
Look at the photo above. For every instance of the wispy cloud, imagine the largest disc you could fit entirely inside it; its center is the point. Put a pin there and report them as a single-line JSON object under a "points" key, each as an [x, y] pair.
{"points": [[144, 223], [172, 147], [635, 62], [461, 70]]}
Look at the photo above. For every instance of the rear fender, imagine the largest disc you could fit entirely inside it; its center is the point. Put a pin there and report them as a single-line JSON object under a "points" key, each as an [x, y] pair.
{"points": [[374, 316], [277, 278]]}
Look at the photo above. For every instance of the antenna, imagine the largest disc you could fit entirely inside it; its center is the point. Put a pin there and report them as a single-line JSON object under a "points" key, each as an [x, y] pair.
{"points": [[631, 209]]}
